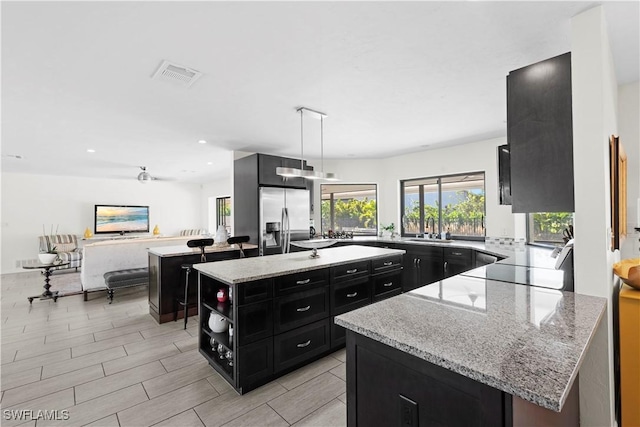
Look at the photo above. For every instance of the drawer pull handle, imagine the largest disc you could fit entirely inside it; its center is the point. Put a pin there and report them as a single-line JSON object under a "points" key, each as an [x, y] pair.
{"points": [[303, 282], [386, 285], [352, 271], [386, 264], [456, 253], [304, 344], [352, 295], [303, 308]]}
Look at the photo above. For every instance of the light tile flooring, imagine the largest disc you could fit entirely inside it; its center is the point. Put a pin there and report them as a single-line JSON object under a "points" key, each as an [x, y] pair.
{"points": [[112, 365]]}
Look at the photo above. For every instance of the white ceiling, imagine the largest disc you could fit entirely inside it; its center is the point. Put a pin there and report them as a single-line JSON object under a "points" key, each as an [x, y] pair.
{"points": [[392, 77]]}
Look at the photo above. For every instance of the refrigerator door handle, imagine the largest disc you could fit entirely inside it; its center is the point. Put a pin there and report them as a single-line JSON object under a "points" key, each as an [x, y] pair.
{"points": [[287, 231], [283, 235]]}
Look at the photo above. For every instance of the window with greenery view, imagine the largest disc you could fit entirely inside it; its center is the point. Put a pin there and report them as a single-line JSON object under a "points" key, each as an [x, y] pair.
{"points": [[223, 213], [548, 227], [349, 208], [454, 203]]}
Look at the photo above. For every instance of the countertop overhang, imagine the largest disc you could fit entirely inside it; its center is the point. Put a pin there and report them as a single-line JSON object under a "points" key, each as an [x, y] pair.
{"points": [[264, 267], [177, 250]]}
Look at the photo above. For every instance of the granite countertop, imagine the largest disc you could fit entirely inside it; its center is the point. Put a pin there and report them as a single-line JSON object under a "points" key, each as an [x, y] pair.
{"points": [[523, 340], [177, 250], [516, 254], [256, 268]]}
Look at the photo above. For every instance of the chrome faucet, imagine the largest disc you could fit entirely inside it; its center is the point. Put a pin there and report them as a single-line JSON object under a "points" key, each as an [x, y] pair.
{"points": [[433, 224]]}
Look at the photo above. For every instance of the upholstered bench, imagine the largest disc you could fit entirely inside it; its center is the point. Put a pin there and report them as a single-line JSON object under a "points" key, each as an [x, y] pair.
{"points": [[125, 279]]}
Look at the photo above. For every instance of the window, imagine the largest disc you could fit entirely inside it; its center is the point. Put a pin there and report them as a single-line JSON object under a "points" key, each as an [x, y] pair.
{"points": [[223, 212], [453, 203], [548, 227], [350, 208]]}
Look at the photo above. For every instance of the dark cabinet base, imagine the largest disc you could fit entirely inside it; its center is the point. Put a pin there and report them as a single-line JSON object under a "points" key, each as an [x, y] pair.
{"points": [[386, 386]]}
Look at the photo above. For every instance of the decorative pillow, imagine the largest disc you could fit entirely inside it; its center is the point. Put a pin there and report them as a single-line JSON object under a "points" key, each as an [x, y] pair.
{"points": [[65, 247]]}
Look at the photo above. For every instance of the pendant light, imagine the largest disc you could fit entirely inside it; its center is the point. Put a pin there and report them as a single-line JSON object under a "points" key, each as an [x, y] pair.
{"points": [[302, 172]]}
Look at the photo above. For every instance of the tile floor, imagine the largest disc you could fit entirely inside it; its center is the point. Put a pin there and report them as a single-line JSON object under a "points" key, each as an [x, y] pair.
{"points": [[112, 365]]}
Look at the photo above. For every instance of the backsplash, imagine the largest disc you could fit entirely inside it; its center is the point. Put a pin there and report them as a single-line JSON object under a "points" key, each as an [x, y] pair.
{"points": [[506, 241]]}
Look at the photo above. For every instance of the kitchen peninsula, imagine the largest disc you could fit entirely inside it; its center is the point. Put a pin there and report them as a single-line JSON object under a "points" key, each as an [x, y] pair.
{"points": [[508, 354], [166, 277], [263, 317]]}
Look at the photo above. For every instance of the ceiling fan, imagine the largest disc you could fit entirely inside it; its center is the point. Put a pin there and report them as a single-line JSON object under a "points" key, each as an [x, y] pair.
{"points": [[144, 176]]}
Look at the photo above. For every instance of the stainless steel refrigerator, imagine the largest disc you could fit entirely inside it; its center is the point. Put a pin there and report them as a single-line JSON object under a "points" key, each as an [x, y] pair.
{"points": [[284, 217]]}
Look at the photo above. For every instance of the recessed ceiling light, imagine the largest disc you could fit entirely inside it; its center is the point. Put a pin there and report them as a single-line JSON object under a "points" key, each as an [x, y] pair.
{"points": [[209, 163], [90, 150], [202, 141]]}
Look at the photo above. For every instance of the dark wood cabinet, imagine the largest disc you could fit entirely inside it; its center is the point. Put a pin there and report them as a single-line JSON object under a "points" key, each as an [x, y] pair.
{"points": [[387, 387], [300, 344], [349, 295], [300, 308], [457, 260], [540, 136], [286, 322], [386, 285], [421, 266], [166, 282], [504, 174], [255, 322], [267, 171]]}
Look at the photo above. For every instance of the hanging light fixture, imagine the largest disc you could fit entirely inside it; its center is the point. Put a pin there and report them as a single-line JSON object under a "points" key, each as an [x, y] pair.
{"points": [[302, 172]]}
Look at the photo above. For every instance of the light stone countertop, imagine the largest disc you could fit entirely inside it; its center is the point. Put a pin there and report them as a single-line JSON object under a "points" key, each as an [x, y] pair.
{"points": [[177, 250], [526, 341], [256, 268]]}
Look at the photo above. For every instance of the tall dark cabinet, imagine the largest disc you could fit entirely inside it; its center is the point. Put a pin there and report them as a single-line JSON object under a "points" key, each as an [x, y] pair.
{"points": [[249, 174], [540, 136]]}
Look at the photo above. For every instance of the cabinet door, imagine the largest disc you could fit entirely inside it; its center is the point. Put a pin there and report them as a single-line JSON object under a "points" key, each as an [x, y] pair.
{"points": [[267, 172], [255, 362], [255, 322], [298, 345], [540, 133], [457, 261], [410, 279]]}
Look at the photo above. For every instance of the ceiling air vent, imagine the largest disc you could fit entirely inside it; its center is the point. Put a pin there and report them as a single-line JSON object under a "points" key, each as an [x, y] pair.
{"points": [[175, 73]]}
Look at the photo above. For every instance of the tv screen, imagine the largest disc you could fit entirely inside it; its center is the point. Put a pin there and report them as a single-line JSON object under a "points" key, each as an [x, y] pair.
{"points": [[121, 219]]}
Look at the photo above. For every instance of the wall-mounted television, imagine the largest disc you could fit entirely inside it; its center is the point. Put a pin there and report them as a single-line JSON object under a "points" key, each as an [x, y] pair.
{"points": [[121, 219]]}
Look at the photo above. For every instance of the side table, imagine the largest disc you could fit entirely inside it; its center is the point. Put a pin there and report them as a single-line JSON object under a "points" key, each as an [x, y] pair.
{"points": [[47, 294]]}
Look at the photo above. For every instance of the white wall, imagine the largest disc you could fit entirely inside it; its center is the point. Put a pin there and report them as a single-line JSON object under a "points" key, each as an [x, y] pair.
{"points": [[629, 131], [29, 201], [387, 173], [594, 91]]}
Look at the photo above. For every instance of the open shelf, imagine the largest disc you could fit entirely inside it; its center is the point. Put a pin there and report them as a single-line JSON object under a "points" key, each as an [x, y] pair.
{"points": [[221, 366], [225, 309], [221, 338]]}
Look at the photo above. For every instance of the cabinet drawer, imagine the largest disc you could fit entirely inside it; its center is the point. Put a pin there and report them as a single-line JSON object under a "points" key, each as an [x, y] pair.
{"points": [[251, 292], [298, 345], [457, 254], [385, 264], [300, 308], [255, 322], [350, 271], [301, 281], [385, 283], [350, 295]]}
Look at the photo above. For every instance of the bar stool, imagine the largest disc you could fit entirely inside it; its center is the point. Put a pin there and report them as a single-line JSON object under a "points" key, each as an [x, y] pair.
{"points": [[238, 240], [196, 243]]}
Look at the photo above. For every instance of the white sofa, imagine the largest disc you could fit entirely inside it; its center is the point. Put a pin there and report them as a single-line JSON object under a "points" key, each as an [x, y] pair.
{"points": [[121, 254]]}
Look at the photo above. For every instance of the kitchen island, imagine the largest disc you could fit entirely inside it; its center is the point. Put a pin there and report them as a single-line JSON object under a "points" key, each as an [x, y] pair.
{"points": [[478, 351], [263, 317]]}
